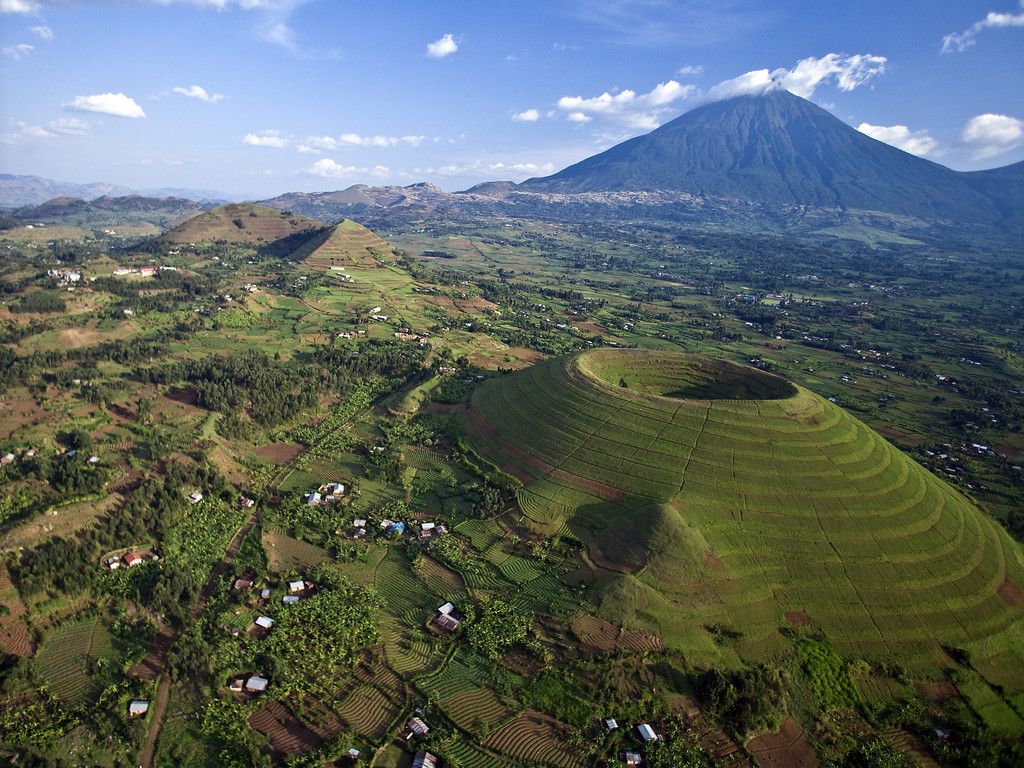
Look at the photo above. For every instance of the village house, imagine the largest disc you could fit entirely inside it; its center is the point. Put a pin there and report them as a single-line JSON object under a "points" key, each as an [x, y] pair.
{"points": [[236, 684], [246, 503], [290, 599], [131, 559], [415, 729], [611, 724], [147, 271], [138, 707], [424, 760], [632, 758], [264, 622], [242, 584], [447, 618], [195, 497], [256, 684], [647, 733], [312, 499], [93, 460], [265, 593], [113, 563], [7, 460], [296, 586]]}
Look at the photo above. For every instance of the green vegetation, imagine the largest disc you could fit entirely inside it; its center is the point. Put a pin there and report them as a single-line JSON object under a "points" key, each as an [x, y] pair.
{"points": [[695, 541]]}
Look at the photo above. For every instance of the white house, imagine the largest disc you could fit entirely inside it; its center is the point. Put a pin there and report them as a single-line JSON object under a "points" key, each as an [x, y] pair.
{"points": [[138, 707], [647, 733], [296, 586], [264, 621], [256, 684]]}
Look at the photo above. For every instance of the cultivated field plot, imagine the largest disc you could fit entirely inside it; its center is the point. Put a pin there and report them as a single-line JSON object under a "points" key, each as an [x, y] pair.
{"points": [[535, 737], [752, 508], [66, 654], [14, 636]]}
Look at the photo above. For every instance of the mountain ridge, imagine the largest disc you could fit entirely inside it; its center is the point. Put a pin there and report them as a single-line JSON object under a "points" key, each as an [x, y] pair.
{"points": [[781, 149]]}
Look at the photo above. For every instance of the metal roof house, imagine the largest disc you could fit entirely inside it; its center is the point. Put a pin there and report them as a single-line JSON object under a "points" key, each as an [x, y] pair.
{"points": [[256, 684], [138, 707]]}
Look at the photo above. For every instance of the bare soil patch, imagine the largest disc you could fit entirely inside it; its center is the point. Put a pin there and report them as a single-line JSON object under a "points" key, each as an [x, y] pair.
{"points": [[1010, 592], [280, 453], [286, 734], [14, 635], [798, 618], [788, 748]]}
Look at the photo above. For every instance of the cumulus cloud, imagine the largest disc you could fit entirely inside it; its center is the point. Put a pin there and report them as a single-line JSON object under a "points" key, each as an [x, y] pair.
{"points": [[198, 92], [510, 169], [316, 144], [64, 126], [646, 111], [24, 7], [328, 168], [268, 138], [116, 104], [641, 111], [846, 72], [915, 142], [992, 135], [18, 51], [527, 116], [691, 69], [443, 46], [958, 42], [42, 32]]}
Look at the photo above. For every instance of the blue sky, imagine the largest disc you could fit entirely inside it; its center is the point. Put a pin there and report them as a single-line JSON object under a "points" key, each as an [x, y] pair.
{"points": [[267, 96]]}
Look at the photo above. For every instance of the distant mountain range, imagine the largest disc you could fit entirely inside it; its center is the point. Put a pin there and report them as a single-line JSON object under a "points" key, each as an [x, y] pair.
{"points": [[774, 162], [18, 191]]}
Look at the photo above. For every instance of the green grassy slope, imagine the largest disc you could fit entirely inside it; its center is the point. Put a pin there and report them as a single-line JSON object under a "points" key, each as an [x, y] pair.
{"points": [[739, 511]]}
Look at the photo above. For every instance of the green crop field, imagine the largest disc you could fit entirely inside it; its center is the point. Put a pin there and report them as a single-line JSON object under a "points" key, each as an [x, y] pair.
{"points": [[66, 654], [746, 499]]}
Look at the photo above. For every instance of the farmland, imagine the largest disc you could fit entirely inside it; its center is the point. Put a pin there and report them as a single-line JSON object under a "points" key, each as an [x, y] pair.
{"points": [[705, 474], [631, 501]]}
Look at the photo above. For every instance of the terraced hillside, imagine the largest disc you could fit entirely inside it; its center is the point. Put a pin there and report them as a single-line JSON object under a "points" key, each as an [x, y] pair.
{"points": [[241, 223], [713, 495], [345, 244]]}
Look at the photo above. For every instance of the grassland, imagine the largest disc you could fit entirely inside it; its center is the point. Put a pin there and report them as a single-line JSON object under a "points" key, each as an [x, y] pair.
{"points": [[240, 223], [743, 510]]}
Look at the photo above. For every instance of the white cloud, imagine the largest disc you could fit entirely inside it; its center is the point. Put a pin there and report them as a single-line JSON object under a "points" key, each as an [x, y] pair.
{"points": [[641, 111], [528, 116], [915, 142], [477, 168], [43, 33], [18, 51], [328, 168], [847, 72], [268, 138], [116, 104], [24, 7], [198, 92], [691, 69], [64, 126], [315, 144], [443, 46], [992, 135], [646, 111], [960, 41]]}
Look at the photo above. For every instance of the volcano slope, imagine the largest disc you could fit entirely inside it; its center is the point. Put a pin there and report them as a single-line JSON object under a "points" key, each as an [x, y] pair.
{"points": [[711, 495]]}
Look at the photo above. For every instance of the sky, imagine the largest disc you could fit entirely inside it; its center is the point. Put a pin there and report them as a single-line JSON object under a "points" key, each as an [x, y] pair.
{"points": [[260, 97]]}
